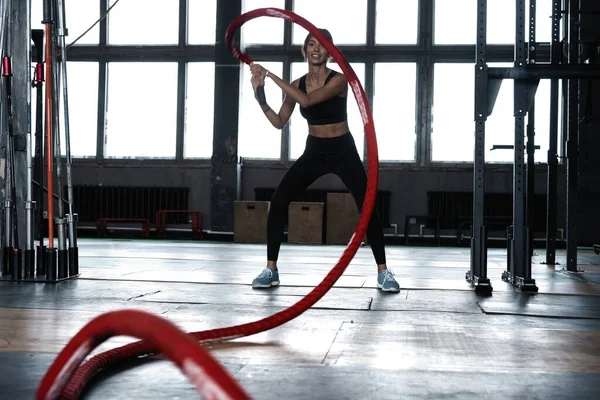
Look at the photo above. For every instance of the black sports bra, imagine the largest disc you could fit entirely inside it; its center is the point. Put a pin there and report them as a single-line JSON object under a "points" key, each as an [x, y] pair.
{"points": [[330, 111]]}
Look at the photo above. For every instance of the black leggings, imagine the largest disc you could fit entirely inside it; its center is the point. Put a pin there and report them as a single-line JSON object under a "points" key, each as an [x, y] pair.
{"points": [[322, 156]]}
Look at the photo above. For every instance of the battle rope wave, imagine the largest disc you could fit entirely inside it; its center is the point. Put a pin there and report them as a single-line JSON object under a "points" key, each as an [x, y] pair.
{"points": [[83, 374], [193, 360]]}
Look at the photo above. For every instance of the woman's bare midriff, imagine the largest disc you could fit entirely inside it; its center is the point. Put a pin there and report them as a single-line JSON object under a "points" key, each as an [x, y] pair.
{"points": [[328, 131]]}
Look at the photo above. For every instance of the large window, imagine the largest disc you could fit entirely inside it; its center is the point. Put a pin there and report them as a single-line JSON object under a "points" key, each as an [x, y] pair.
{"points": [[299, 127], [199, 115], [501, 26], [393, 27], [257, 138], [394, 108], [80, 15], [347, 22], [453, 117], [202, 21], [144, 22], [262, 30], [141, 110]]}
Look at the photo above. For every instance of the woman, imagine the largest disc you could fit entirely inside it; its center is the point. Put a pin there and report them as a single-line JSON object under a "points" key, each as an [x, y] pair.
{"points": [[322, 95]]}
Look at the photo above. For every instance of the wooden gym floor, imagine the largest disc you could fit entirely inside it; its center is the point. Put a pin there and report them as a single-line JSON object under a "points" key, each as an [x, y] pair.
{"points": [[436, 339]]}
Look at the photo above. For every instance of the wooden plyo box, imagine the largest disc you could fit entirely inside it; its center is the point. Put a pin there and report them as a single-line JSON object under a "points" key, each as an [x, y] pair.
{"points": [[342, 217], [250, 221], [305, 223]]}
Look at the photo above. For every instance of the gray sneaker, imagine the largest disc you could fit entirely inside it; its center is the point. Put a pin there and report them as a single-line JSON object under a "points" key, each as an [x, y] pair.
{"points": [[266, 279], [386, 281]]}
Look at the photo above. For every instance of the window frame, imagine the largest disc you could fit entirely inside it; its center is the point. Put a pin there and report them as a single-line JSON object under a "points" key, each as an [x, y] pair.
{"points": [[425, 53]]}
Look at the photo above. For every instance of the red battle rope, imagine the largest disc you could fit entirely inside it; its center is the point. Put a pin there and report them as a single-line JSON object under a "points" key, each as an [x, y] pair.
{"points": [[86, 372], [211, 380]]}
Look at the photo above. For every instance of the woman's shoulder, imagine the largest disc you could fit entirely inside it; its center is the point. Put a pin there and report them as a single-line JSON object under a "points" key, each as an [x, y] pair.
{"points": [[335, 74]]}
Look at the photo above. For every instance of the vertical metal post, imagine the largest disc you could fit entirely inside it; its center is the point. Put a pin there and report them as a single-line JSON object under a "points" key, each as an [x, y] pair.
{"points": [[517, 241], [530, 193], [369, 83], [29, 270], [425, 83], [181, 84], [552, 179], [102, 85], [519, 147], [287, 73], [573, 139], [5, 48], [38, 174], [519, 269], [51, 125], [478, 272], [56, 76], [66, 258]]}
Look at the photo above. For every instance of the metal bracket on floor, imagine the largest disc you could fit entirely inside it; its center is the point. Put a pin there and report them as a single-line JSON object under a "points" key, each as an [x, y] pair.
{"points": [[482, 285], [525, 285]]}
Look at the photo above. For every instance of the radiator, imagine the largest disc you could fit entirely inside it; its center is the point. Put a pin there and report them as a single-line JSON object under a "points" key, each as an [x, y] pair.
{"points": [[382, 205], [451, 206], [93, 202]]}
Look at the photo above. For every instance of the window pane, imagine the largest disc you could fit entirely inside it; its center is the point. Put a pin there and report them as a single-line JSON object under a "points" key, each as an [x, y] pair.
{"points": [[141, 118], [257, 138], [456, 21], [299, 127], [82, 83], [397, 28], [80, 14], [454, 84], [349, 26], [453, 113], [83, 110], [500, 21], [199, 115], [202, 21], [500, 127], [394, 106], [262, 30], [143, 22]]}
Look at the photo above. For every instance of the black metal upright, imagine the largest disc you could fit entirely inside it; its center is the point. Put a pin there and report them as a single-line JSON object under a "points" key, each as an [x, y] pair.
{"points": [[573, 138], [552, 179], [519, 266], [530, 194], [477, 275]]}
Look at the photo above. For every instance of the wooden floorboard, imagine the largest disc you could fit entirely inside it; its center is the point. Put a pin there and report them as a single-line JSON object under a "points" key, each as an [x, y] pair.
{"points": [[435, 339]]}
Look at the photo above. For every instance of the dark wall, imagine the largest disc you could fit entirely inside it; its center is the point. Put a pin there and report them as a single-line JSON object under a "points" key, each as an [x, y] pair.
{"points": [[408, 187], [195, 178], [589, 136]]}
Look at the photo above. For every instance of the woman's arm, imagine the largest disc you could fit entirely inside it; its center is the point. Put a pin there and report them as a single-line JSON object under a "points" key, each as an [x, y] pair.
{"points": [[335, 87], [278, 120]]}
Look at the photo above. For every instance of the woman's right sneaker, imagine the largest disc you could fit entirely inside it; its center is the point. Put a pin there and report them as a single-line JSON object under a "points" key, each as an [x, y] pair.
{"points": [[266, 279]]}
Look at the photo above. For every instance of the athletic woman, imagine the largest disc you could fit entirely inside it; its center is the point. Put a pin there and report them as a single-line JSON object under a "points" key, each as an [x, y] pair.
{"points": [[322, 96]]}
